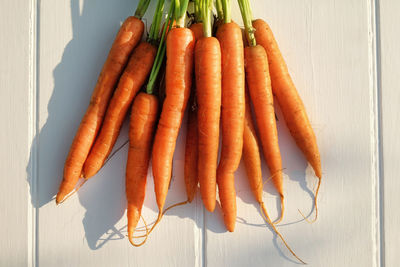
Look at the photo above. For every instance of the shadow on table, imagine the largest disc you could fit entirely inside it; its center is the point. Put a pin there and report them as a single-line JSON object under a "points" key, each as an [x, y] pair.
{"points": [[94, 26]]}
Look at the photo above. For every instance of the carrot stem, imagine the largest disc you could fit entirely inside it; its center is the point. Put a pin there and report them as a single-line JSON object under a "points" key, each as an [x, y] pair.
{"points": [[155, 25], [180, 12], [219, 8], [205, 10], [226, 6], [160, 53], [245, 10], [141, 8], [197, 12]]}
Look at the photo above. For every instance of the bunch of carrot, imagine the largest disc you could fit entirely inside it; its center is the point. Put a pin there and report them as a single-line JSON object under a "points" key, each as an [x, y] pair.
{"points": [[220, 77]]}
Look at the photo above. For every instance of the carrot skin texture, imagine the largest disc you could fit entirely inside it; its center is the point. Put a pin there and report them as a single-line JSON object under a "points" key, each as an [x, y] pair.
{"points": [[179, 67], [288, 98], [127, 38], [258, 80], [191, 148], [197, 29], [191, 153], [232, 117], [133, 78], [251, 154], [208, 86], [142, 125]]}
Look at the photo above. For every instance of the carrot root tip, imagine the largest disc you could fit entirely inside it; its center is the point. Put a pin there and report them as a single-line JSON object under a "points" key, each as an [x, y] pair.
{"points": [[266, 217], [315, 205], [130, 235], [282, 210]]}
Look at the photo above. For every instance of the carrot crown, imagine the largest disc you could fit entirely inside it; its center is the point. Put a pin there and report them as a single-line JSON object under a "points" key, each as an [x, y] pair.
{"points": [[160, 52], [141, 8], [180, 12], [245, 10], [155, 25], [205, 14]]}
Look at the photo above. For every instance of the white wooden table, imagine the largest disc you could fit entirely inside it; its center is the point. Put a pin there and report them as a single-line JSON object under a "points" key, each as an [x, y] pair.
{"points": [[344, 58]]}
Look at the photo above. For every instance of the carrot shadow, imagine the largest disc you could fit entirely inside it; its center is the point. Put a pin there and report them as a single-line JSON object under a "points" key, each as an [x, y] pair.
{"points": [[94, 26]]}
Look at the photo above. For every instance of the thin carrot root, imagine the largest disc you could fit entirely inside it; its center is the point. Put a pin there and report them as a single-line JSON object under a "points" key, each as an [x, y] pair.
{"points": [[266, 217], [281, 196], [315, 205], [146, 236], [282, 210], [160, 215], [71, 193]]}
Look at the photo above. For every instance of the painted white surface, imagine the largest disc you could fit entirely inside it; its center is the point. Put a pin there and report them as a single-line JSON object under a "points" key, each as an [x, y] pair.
{"points": [[349, 87], [390, 120], [15, 107]]}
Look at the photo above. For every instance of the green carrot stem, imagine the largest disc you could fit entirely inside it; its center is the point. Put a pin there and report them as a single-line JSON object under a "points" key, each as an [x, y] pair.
{"points": [[141, 8], [226, 7], [155, 25], [205, 9], [160, 52], [180, 12], [197, 11], [247, 20], [219, 8]]}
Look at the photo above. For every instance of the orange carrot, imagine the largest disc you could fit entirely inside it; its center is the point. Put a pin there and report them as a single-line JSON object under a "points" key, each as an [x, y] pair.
{"points": [[257, 77], [289, 100], [232, 117], [128, 36], [180, 42], [191, 149], [252, 163], [208, 86], [251, 154], [141, 129], [197, 29], [259, 83], [133, 78]]}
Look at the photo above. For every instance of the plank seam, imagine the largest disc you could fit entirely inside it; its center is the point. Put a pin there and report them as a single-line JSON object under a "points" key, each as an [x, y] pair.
{"points": [[380, 129], [33, 131], [375, 130]]}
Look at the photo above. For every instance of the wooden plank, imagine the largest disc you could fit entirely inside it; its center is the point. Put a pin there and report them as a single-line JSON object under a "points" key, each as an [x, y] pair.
{"points": [[327, 48], [89, 229], [389, 57], [15, 106]]}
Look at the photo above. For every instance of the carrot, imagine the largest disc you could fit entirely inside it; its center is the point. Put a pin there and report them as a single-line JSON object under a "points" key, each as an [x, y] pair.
{"points": [[259, 83], [289, 100], [191, 149], [143, 118], [180, 43], [251, 154], [191, 152], [232, 115], [261, 95], [208, 85], [134, 76], [197, 29], [252, 163], [257, 77], [142, 125], [127, 38]]}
